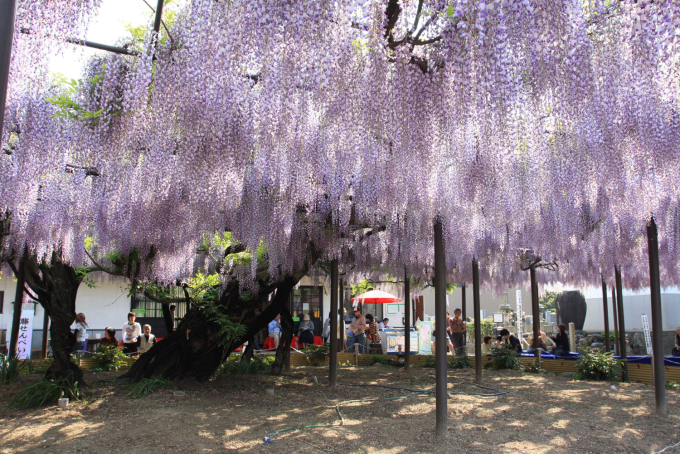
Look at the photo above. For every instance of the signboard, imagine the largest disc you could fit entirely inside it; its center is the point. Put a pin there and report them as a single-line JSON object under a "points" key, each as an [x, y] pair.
{"points": [[648, 337], [498, 317], [25, 334], [393, 308], [139, 311], [425, 338], [518, 316]]}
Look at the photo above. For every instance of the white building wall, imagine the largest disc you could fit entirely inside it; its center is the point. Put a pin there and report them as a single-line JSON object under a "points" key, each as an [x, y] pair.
{"points": [[488, 301], [634, 306]]}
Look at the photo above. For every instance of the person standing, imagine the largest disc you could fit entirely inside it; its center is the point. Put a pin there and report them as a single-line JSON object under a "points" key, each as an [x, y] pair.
{"points": [[275, 330], [131, 333], [676, 350], [146, 340], [358, 327], [457, 329], [80, 332]]}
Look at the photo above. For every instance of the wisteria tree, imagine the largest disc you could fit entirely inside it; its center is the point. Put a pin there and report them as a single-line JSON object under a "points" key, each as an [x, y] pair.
{"points": [[519, 124]]}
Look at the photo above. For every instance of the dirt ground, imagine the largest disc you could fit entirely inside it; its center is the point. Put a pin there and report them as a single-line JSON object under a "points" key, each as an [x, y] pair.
{"points": [[234, 413]]}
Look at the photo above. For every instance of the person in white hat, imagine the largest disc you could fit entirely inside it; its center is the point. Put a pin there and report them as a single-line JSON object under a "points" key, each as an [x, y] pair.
{"points": [[306, 332]]}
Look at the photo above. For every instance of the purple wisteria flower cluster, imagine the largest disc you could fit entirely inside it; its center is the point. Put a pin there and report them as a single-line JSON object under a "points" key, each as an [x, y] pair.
{"points": [[545, 125]]}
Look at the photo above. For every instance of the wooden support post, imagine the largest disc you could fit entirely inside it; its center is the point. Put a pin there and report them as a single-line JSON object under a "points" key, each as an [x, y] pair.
{"points": [[7, 15], [407, 320], [18, 302], [535, 312], [622, 324], [605, 308], [476, 302], [442, 424], [615, 313], [657, 326], [464, 316], [333, 356], [46, 324]]}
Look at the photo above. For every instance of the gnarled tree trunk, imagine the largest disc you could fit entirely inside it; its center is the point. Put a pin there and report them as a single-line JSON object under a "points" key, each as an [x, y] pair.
{"points": [[194, 349], [56, 285]]}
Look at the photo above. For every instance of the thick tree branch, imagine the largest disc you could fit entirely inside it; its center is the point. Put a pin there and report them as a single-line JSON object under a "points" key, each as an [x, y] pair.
{"points": [[102, 268]]}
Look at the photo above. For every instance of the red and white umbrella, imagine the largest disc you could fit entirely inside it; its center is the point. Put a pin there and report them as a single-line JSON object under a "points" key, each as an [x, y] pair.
{"points": [[376, 297]]}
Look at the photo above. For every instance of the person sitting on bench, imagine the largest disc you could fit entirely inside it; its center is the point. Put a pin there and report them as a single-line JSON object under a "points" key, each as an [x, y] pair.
{"points": [[676, 350]]}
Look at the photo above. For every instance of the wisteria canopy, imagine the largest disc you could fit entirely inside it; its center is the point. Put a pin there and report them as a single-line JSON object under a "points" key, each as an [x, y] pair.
{"points": [[523, 125]]}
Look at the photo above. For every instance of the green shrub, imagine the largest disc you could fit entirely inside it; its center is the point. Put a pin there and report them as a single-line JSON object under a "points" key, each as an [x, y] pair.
{"points": [[258, 365], [147, 386], [672, 385], [45, 392], [598, 366], [460, 362], [11, 368], [429, 362], [612, 336], [486, 327], [108, 358], [504, 358], [534, 369], [378, 359], [317, 354]]}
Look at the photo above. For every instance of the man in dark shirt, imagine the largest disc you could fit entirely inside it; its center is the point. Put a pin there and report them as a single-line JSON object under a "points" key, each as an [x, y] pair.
{"points": [[511, 341], [457, 330]]}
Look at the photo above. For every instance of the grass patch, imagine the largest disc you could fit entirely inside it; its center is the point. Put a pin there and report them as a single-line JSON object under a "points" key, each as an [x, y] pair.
{"points": [[11, 368], [460, 362], [45, 392], [147, 386]]}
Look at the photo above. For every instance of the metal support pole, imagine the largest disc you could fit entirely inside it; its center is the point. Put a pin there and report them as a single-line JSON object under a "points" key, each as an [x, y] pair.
{"points": [[622, 323], [18, 302], [657, 327], [407, 320], [286, 363], [615, 314], [440, 321], [534, 311], [476, 302], [605, 308], [333, 357], [159, 15], [340, 315], [464, 316], [7, 13]]}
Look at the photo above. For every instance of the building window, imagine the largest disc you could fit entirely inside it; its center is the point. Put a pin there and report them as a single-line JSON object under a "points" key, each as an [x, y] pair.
{"points": [[308, 300], [147, 308]]}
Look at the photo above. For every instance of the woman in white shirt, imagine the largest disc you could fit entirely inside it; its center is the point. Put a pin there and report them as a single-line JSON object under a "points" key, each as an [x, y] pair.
{"points": [[80, 331], [131, 333]]}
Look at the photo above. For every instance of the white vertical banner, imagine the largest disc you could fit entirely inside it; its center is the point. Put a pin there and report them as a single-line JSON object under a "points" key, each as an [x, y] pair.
{"points": [[25, 334], [648, 337], [518, 316]]}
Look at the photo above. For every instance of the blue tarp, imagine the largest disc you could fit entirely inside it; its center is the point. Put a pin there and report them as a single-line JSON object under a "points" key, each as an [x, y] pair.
{"points": [[668, 360]]}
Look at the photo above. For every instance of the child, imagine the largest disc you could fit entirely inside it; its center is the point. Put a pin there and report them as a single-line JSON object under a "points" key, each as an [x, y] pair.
{"points": [[486, 346], [131, 333]]}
